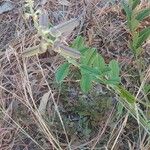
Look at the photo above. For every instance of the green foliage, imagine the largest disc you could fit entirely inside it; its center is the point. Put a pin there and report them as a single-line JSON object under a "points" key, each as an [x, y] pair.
{"points": [[62, 72], [92, 67], [88, 57], [134, 18], [143, 36], [99, 63], [86, 82], [79, 44], [146, 89], [114, 72], [125, 94], [135, 3], [143, 14], [90, 63], [128, 10], [120, 110]]}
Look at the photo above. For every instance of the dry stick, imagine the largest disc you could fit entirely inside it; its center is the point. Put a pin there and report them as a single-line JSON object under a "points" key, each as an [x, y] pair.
{"points": [[22, 130], [28, 105], [121, 129], [143, 82], [24, 83], [56, 107], [39, 117], [140, 89], [113, 133], [46, 130], [28, 86], [102, 132], [13, 94], [35, 110]]}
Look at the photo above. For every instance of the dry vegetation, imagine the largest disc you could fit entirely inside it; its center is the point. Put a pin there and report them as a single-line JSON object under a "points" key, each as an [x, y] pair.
{"points": [[70, 119]]}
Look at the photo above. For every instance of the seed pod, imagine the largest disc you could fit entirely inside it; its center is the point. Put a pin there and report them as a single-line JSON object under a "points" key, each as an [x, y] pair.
{"points": [[65, 50], [70, 51], [43, 19], [39, 49], [31, 51], [66, 27]]}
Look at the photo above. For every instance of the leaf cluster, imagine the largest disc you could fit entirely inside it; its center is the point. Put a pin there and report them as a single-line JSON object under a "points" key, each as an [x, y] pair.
{"points": [[92, 67], [134, 17]]}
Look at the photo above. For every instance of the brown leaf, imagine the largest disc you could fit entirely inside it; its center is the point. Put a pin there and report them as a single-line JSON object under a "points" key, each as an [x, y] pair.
{"points": [[43, 103]]}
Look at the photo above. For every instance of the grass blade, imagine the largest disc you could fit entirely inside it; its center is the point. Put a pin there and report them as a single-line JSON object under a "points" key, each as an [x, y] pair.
{"points": [[125, 94], [144, 35], [135, 3], [143, 14]]}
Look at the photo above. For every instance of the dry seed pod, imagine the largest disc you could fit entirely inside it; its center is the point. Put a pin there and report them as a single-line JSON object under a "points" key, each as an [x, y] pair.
{"points": [[66, 27], [68, 51], [43, 19], [43, 46], [65, 50], [31, 51], [39, 49], [43, 103]]}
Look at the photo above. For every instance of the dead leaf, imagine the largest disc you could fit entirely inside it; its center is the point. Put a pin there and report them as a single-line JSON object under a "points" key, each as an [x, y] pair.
{"points": [[6, 6], [43, 103]]}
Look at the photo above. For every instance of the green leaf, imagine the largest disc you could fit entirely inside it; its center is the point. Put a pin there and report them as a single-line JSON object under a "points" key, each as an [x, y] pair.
{"points": [[135, 39], [147, 88], [134, 42], [125, 94], [113, 74], [120, 109], [88, 57], [114, 81], [99, 62], [144, 35], [89, 70], [135, 3], [144, 31], [143, 14], [136, 51], [127, 10], [115, 70], [62, 72], [79, 44], [134, 25], [86, 83]]}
